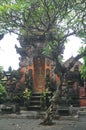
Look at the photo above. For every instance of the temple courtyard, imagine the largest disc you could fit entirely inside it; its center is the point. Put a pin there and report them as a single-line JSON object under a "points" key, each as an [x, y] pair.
{"points": [[31, 121], [34, 124]]}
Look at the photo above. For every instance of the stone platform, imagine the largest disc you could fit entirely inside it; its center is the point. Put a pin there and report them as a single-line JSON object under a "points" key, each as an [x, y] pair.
{"points": [[79, 113]]}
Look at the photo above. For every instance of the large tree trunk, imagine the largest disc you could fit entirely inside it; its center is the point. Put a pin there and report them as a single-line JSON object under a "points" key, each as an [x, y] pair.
{"points": [[50, 113]]}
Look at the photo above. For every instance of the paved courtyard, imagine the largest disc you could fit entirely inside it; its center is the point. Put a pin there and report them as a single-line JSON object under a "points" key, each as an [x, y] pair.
{"points": [[34, 124]]}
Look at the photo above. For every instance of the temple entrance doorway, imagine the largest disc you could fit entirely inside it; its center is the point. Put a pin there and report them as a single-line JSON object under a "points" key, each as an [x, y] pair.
{"points": [[39, 74]]}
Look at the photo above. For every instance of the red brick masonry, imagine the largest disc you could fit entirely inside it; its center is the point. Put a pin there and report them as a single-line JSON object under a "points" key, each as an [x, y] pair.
{"points": [[82, 97]]}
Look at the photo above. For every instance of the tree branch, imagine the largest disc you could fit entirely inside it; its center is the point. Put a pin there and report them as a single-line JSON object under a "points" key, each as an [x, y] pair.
{"points": [[76, 59]]}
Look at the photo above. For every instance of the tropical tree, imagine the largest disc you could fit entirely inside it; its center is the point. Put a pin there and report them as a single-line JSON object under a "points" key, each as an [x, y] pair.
{"points": [[3, 93], [49, 21], [53, 21], [2, 87]]}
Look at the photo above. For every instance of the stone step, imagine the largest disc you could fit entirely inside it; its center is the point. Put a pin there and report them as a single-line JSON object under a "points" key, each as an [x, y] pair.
{"points": [[36, 94], [35, 97], [35, 102], [34, 108], [63, 111]]}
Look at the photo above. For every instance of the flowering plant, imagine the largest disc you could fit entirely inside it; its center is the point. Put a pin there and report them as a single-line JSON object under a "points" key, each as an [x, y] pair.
{"points": [[27, 93]]}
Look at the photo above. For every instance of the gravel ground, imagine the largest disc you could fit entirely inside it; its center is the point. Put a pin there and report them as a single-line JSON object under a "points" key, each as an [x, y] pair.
{"points": [[34, 124]]}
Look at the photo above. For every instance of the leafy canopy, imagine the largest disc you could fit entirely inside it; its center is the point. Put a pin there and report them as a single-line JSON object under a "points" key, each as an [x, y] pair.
{"points": [[55, 20], [42, 15], [83, 69]]}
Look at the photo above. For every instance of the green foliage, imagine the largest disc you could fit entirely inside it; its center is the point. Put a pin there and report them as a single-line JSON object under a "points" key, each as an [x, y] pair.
{"points": [[41, 15], [1, 69], [43, 100], [26, 96], [83, 69], [27, 93], [55, 20], [2, 93], [47, 50]]}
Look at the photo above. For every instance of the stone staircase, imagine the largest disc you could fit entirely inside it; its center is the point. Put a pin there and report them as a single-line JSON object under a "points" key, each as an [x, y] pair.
{"points": [[35, 102]]}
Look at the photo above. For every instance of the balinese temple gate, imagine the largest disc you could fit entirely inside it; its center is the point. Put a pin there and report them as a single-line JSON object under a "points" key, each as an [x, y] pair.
{"points": [[34, 65]]}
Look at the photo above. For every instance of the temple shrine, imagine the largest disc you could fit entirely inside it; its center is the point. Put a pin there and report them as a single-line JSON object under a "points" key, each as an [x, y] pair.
{"points": [[36, 73], [35, 65], [38, 70]]}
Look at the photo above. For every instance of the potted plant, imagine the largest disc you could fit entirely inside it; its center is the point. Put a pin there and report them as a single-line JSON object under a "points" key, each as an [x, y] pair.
{"points": [[26, 95]]}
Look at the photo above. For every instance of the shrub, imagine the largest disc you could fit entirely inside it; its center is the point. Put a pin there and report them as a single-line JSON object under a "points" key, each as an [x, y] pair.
{"points": [[3, 93]]}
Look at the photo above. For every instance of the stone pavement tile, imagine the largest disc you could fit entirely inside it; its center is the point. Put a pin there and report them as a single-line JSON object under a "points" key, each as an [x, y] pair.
{"points": [[34, 124], [29, 124], [75, 127]]}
